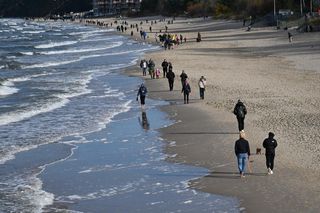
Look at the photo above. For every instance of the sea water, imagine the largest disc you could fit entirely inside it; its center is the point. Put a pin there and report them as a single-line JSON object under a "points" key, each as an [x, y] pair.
{"points": [[73, 138]]}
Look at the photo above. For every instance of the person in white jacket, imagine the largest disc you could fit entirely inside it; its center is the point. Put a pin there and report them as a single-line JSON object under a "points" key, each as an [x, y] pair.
{"points": [[202, 86]]}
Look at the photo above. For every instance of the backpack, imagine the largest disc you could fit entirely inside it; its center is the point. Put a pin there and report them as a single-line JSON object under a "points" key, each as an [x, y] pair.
{"points": [[240, 111]]}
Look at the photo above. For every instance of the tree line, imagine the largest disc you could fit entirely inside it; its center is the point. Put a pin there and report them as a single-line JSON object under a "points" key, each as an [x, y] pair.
{"points": [[193, 8], [222, 8], [41, 8]]}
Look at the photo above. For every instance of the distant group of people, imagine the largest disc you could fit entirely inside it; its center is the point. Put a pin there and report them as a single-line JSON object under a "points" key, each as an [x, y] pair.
{"points": [[167, 70], [168, 40]]}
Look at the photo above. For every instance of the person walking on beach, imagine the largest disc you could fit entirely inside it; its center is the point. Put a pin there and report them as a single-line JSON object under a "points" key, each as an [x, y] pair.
{"points": [[290, 37], [183, 77], [144, 65], [186, 90], [170, 66], [199, 37], [242, 151], [240, 111], [151, 66], [165, 65], [170, 76], [202, 86], [142, 93], [270, 145]]}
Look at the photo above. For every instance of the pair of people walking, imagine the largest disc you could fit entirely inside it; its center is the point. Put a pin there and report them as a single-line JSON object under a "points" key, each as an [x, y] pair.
{"points": [[242, 152]]}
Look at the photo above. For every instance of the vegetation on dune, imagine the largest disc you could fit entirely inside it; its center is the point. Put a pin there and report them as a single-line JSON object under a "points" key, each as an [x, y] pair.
{"points": [[221, 8], [40, 8], [193, 8]]}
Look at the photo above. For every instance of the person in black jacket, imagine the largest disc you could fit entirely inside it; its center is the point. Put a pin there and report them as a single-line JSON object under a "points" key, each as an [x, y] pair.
{"points": [[242, 151], [240, 111], [170, 76], [183, 77], [270, 145], [165, 65], [186, 90], [142, 93]]}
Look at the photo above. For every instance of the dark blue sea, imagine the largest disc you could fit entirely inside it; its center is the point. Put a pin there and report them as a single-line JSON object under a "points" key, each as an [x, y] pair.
{"points": [[72, 136]]}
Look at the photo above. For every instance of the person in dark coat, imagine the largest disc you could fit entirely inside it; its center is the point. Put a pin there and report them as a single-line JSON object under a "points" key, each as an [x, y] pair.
{"points": [[165, 65], [170, 76], [183, 77], [151, 66], [186, 90], [270, 145], [142, 93], [240, 111], [242, 151]]}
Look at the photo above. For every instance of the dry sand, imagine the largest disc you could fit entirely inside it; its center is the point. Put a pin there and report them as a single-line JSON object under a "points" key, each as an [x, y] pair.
{"points": [[279, 83]]}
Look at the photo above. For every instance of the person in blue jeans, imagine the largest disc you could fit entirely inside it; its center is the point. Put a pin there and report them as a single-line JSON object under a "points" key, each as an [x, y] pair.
{"points": [[242, 151]]}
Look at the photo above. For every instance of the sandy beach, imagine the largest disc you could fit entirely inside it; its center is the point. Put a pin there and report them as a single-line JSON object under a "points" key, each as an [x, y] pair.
{"points": [[279, 83]]}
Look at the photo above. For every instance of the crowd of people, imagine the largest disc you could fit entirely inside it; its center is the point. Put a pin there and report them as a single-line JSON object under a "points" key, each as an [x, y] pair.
{"points": [[242, 147], [161, 36], [167, 72]]}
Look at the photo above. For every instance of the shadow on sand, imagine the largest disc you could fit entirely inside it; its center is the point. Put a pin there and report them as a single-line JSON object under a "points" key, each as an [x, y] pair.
{"points": [[231, 175], [203, 133]]}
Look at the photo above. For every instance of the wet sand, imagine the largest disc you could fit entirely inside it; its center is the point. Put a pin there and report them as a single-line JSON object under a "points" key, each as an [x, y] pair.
{"points": [[279, 83]]}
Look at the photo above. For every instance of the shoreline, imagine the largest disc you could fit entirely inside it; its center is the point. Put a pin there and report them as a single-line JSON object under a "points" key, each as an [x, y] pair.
{"points": [[293, 187]]}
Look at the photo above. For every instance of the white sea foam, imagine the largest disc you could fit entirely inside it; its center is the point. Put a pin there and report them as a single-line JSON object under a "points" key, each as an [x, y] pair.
{"points": [[58, 63], [116, 44], [34, 32], [27, 53], [51, 64], [2, 66], [96, 169], [55, 44], [10, 155], [97, 39], [20, 79], [7, 90], [90, 32], [39, 197]]}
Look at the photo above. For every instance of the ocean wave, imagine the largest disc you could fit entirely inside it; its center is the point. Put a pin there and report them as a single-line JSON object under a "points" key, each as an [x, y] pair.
{"points": [[116, 44], [63, 100], [20, 79], [55, 44], [7, 88], [51, 64], [96, 39], [34, 32], [27, 53], [25, 114], [58, 63], [90, 32]]}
